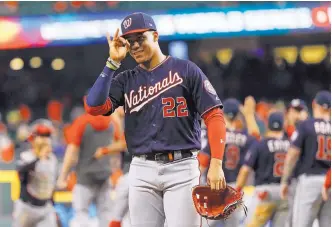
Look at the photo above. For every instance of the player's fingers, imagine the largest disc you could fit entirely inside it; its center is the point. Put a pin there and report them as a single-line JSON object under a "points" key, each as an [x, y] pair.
{"points": [[218, 185], [213, 185], [123, 41], [116, 35], [127, 45], [223, 184]]}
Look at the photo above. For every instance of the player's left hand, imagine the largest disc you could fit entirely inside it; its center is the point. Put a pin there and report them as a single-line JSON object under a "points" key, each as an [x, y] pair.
{"points": [[283, 191], [101, 152], [215, 176], [325, 193]]}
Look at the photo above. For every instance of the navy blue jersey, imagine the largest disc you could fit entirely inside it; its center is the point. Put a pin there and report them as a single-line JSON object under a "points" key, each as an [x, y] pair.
{"points": [[237, 144], [163, 106], [266, 158], [313, 138]]}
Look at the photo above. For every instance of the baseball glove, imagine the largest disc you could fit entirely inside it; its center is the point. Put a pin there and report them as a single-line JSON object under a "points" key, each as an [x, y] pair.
{"points": [[218, 204]]}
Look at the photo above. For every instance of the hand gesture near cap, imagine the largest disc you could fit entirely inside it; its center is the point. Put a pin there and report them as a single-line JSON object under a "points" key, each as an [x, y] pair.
{"points": [[118, 47]]}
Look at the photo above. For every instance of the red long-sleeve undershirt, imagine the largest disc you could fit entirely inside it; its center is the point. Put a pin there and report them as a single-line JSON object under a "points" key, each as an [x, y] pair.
{"points": [[216, 131]]}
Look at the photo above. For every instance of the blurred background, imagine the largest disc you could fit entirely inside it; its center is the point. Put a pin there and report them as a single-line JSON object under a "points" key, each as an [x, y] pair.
{"points": [[52, 52]]}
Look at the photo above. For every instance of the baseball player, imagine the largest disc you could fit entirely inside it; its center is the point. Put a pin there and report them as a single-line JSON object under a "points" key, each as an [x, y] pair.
{"points": [[237, 144], [88, 148], [311, 146], [37, 170], [163, 98], [7, 148], [297, 111], [120, 206], [266, 159]]}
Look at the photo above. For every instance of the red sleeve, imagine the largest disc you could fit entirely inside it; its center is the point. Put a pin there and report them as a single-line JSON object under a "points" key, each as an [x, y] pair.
{"points": [[204, 159], [216, 130], [76, 130], [327, 183], [98, 110]]}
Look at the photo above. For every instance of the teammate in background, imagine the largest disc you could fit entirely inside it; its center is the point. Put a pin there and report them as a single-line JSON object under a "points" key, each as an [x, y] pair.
{"points": [[90, 140], [297, 111], [7, 147], [120, 206], [37, 170], [237, 144], [163, 98], [266, 159], [311, 146], [326, 192], [232, 109]]}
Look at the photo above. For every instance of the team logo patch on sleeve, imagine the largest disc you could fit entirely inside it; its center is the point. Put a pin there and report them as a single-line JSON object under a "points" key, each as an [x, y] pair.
{"points": [[208, 86]]}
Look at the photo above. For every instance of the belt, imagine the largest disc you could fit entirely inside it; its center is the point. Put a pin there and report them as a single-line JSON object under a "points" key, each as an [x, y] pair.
{"points": [[29, 199], [167, 156]]}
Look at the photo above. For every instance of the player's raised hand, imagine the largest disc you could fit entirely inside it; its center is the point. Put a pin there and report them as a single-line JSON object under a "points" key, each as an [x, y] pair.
{"points": [[118, 47], [215, 176], [249, 106], [283, 191]]}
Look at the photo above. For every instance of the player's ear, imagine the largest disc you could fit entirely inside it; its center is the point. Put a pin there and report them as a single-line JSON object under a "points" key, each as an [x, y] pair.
{"points": [[313, 104], [155, 36]]}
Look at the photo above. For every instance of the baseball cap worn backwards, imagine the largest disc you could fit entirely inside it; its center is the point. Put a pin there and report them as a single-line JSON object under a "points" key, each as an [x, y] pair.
{"points": [[231, 107], [323, 98], [276, 121], [137, 22]]}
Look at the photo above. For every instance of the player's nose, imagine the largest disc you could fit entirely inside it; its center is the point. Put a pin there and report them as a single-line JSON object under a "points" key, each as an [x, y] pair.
{"points": [[134, 45]]}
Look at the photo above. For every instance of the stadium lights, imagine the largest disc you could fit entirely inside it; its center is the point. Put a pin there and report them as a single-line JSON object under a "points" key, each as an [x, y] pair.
{"points": [[35, 62], [16, 64], [225, 55], [289, 53], [58, 64], [313, 54], [60, 7]]}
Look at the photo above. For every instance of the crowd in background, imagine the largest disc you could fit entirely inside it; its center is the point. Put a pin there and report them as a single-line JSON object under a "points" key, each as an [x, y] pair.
{"points": [[264, 77]]}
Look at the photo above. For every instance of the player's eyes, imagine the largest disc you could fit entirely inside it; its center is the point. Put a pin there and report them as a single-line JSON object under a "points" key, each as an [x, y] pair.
{"points": [[139, 39]]}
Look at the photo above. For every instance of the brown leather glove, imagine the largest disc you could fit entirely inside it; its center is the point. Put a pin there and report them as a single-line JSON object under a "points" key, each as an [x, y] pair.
{"points": [[217, 204]]}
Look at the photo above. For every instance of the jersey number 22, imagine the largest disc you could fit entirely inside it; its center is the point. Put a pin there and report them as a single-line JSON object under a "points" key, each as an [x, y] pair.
{"points": [[169, 109]]}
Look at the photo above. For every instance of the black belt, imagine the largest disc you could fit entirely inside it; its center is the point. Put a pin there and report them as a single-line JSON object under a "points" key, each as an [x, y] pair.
{"points": [[167, 156], [29, 199]]}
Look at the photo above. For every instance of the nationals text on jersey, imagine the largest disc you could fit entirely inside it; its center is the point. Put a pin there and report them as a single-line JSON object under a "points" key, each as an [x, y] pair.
{"points": [[146, 94]]}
